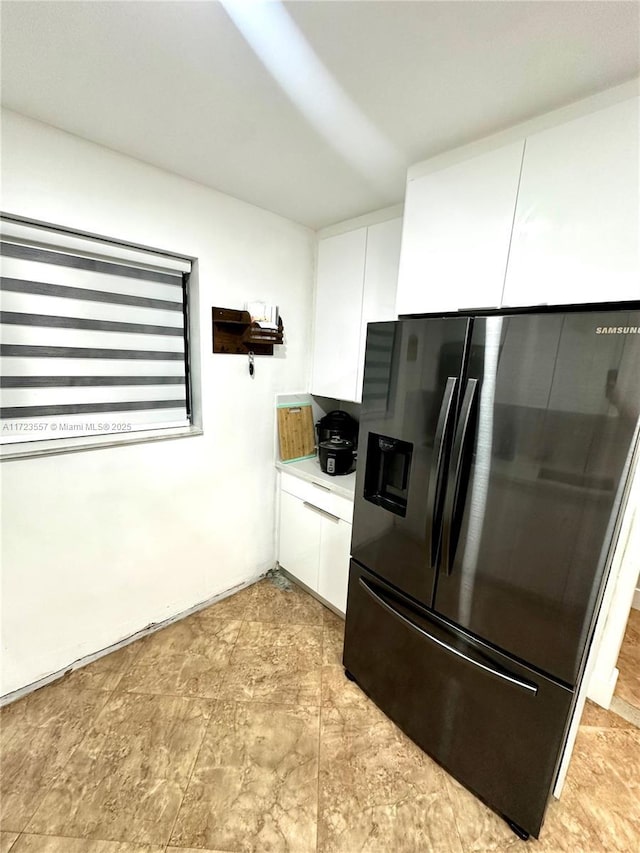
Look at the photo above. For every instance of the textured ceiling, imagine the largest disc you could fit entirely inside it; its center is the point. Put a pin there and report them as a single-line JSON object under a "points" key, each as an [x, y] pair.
{"points": [[356, 92]]}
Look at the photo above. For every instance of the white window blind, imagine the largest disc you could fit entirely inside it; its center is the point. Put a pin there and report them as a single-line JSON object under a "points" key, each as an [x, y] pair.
{"points": [[94, 336]]}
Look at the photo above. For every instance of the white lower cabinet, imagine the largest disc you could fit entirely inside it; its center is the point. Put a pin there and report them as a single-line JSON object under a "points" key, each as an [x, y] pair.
{"points": [[315, 538], [299, 539], [333, 575]]}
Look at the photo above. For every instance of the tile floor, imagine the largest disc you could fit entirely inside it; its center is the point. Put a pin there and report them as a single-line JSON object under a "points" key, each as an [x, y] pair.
{"points": [[628, 686], [235, 730]]}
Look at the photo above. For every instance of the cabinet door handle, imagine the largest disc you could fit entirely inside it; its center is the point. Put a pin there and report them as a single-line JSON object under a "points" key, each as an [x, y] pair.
{"points": [[321, 511], [324, 488]]}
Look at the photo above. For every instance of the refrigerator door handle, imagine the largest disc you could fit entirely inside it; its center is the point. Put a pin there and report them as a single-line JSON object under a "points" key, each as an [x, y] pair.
{"points": [[501, 674], [454, 491], [436, 477]]}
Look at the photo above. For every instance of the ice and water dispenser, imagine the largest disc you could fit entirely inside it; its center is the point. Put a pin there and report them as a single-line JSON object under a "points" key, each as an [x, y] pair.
{"points": [[386, 481]]}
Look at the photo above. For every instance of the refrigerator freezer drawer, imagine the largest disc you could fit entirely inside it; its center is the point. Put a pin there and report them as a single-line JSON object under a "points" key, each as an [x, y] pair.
{"points": [[492, 723]]}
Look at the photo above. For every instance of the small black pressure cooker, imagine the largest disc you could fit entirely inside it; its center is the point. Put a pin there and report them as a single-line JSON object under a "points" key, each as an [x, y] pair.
{"points": [[337, 442]]}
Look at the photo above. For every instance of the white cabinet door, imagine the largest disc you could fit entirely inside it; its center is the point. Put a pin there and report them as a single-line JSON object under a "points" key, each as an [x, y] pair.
{"points": [[456, 233], [315, 548], [333, 574], [576, 231], [380, 282], [338, 311], [299, 551]]}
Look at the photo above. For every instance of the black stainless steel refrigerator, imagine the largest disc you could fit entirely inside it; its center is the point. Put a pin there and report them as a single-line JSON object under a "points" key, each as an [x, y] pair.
{"points": [[493, 456]]}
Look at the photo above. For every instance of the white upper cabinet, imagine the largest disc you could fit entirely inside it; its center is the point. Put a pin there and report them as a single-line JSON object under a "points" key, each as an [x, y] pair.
{"points": [[339, 287], [576, 231], [380, 282], [457, 227], [356, 284]]}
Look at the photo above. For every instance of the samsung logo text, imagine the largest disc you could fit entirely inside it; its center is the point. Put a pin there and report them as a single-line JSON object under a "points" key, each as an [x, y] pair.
{"points": [[617, 330]]}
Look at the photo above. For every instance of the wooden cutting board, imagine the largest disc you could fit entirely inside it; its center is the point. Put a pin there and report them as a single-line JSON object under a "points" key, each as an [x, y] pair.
{"points": [[295, 431]]}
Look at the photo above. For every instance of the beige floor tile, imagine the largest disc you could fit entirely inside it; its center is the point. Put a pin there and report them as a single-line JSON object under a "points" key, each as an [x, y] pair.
{"points": [[231, 607], [479, 828], [6, 840], [195, 850], [330, 618], [113, 768], [614, 816], [604, 778], [339, 692], [106, 672], [632, 632], [378, 791], [628, 686], [628, 712], [275, 663], [269, 603], [332, 639], [567, 827], [254, 787], [594, 716], [126, 780], [184, 659], [606, 757], [38, 735], [52, 844]]}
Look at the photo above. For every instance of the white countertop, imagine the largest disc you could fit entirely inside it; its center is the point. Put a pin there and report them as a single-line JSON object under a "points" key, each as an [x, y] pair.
{"points": [[309, 469]]}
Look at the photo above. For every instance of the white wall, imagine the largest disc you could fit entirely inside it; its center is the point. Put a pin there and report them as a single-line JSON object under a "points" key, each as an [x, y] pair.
{"points": [[98, 544]]}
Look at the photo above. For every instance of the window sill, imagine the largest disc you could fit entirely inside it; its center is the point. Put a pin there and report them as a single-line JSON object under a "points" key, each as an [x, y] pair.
{"points": [[35, 449]]}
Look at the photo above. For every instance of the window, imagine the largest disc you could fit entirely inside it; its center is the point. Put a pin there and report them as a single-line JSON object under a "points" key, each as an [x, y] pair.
{"points": [[94, 339]]}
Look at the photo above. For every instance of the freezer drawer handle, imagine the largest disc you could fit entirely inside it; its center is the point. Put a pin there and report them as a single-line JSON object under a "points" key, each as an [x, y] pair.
{"points": [[496, 673], [321, 511], [436, 478]]}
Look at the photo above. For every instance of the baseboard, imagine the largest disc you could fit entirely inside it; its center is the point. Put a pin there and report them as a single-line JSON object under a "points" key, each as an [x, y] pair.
{"points": [[145, 632], [625, 710], [601, 689], [636, 600]]}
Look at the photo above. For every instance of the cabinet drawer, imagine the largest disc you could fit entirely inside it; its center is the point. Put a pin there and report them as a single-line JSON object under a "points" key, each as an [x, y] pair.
{"points": [[318, 496]]}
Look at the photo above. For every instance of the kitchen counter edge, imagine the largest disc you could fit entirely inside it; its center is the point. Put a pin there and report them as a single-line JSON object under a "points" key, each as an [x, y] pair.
{"points": [[309, 469]]}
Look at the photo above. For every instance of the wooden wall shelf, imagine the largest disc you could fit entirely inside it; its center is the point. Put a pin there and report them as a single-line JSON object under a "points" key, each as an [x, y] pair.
{"points": [[234, 333]]}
